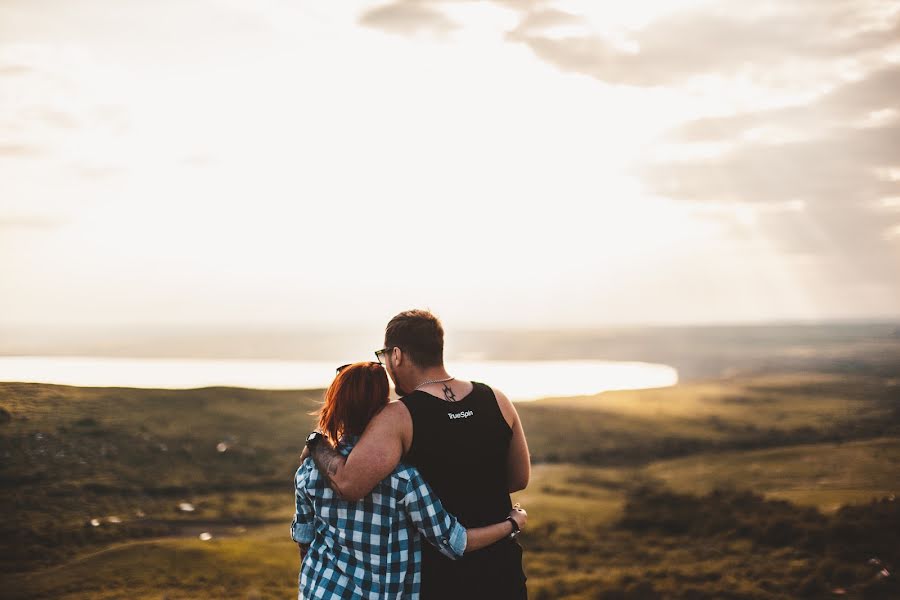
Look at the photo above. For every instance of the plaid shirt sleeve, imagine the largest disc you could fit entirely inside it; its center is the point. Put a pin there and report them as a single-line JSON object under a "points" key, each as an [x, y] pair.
{"points": [[303, 527], [436, 525]]}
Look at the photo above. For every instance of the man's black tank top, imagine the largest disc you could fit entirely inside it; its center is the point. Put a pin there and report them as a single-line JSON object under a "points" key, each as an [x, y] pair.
{"points": [[462, 448]]}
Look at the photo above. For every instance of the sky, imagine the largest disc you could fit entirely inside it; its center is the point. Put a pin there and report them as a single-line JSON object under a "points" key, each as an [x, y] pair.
{"points": [[534, 163]]}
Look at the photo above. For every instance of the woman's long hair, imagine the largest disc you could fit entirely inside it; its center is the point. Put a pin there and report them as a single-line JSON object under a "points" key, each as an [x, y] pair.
{"points": [[356, 395]]}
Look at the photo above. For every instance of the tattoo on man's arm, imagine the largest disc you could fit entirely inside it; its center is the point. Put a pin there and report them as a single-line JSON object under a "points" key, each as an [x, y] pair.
{"points": [[331, 466], [327, 460]]}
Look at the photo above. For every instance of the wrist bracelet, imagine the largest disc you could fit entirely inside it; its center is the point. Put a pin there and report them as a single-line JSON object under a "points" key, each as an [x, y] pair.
{"points": [[515, 525]]}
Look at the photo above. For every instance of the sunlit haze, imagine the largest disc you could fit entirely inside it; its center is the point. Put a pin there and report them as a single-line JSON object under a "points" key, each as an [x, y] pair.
{"points": [[518, 164]]}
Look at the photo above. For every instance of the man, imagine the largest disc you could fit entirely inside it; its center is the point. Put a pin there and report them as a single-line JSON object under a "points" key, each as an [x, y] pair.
{"points": [[466, 440]]}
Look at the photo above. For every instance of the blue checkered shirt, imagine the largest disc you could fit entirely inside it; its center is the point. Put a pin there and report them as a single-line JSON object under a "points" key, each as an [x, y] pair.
{"points": [[371, 548]]}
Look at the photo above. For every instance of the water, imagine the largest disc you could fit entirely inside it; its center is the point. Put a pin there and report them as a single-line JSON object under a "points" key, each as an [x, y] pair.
{"points": [[520, 380]]}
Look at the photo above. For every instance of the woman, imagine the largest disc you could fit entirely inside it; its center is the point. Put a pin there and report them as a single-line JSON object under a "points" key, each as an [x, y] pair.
{"points": [[372, 548]]}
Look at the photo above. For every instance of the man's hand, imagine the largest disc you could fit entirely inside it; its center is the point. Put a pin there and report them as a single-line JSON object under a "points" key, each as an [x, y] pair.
{"points": [[519, 516], [304, 548]]}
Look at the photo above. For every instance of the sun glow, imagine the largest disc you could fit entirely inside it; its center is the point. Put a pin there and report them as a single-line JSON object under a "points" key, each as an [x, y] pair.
{"points": [[248, 162]]}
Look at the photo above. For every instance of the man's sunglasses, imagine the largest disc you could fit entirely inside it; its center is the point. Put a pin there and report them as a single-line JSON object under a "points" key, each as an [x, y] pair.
{"points": [[379, 354]]}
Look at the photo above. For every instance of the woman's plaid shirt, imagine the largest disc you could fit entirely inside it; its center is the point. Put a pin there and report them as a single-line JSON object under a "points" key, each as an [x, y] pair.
{"points": [[370, 548]]}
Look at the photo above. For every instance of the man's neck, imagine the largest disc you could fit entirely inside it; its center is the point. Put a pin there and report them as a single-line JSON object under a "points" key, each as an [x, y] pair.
{"points": [[431, 374]]}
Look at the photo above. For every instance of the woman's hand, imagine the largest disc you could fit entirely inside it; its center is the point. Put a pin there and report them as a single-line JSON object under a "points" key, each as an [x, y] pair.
{"points": [[479, 537], [519, 516]]}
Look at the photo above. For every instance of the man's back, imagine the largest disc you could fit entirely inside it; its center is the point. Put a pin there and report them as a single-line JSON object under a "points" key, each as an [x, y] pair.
{"points": [[462, 449], [473, 460]]}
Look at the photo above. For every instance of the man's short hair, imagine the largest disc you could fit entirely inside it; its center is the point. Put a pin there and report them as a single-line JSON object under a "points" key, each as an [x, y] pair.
{"points": [[419, 334]]}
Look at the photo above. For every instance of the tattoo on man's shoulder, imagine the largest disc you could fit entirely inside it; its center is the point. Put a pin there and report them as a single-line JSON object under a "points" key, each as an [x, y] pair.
{"points": [[448, 394]]}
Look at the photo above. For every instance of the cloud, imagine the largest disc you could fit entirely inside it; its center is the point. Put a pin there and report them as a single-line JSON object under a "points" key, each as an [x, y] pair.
{"points": [[766, 40], [407, 17], [837, 168], [827, 162], [717, 40], [21, 80], [833, 157], [803, 180], [29, 222], [535, 20], [9, 69], [98, 171], [853, 102], [53, 117], [18, 150]]}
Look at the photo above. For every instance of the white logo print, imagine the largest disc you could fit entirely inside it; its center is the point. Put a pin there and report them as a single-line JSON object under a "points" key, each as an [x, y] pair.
{"points": [[461, 415]]}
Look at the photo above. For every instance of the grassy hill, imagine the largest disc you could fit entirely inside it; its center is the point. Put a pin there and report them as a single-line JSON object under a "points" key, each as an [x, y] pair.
{"points": [[737, 413], [76, 454], [764, 485]]}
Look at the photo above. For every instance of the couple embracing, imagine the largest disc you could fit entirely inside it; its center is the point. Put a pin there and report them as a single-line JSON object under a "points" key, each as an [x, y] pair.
{"points": [[437, 525]]}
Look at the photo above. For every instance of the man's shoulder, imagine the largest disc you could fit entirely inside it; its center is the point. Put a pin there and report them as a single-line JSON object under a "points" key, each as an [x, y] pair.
{"points": [[501, 397], [393, 420], [394, 411], [505, 405]]}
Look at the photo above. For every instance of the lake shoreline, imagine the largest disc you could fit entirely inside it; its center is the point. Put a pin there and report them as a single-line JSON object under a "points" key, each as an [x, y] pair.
{"points": [[522, 381]]}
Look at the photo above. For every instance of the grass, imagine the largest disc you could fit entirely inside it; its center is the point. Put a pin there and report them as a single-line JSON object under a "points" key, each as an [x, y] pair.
{"points": [[822, 475], [263, 565], [74, 454], [618, 484], [740, 413]]}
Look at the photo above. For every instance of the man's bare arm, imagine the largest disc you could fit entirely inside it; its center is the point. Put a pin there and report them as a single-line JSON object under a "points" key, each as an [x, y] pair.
{"points": [[327, 460], [378, 451], [519, 460]]}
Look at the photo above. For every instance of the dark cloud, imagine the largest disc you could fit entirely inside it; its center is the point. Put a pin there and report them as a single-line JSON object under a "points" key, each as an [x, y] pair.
{"points": [[407, 17], [713, 39], [837, 168], [832, 161], [855, 101], [535, 20], [523, 6], [847, 247], [687, 44], [834, 164]]}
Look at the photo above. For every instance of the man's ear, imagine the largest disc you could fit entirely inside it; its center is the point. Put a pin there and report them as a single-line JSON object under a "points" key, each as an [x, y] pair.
{"points": [[397, 356]]}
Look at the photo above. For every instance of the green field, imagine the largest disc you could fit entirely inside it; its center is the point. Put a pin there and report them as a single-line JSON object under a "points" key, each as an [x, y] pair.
{"points": [[760, 485]]}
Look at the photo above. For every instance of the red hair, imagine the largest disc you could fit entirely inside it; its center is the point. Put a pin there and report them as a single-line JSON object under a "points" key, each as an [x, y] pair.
{"points": [[355, 396]]}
